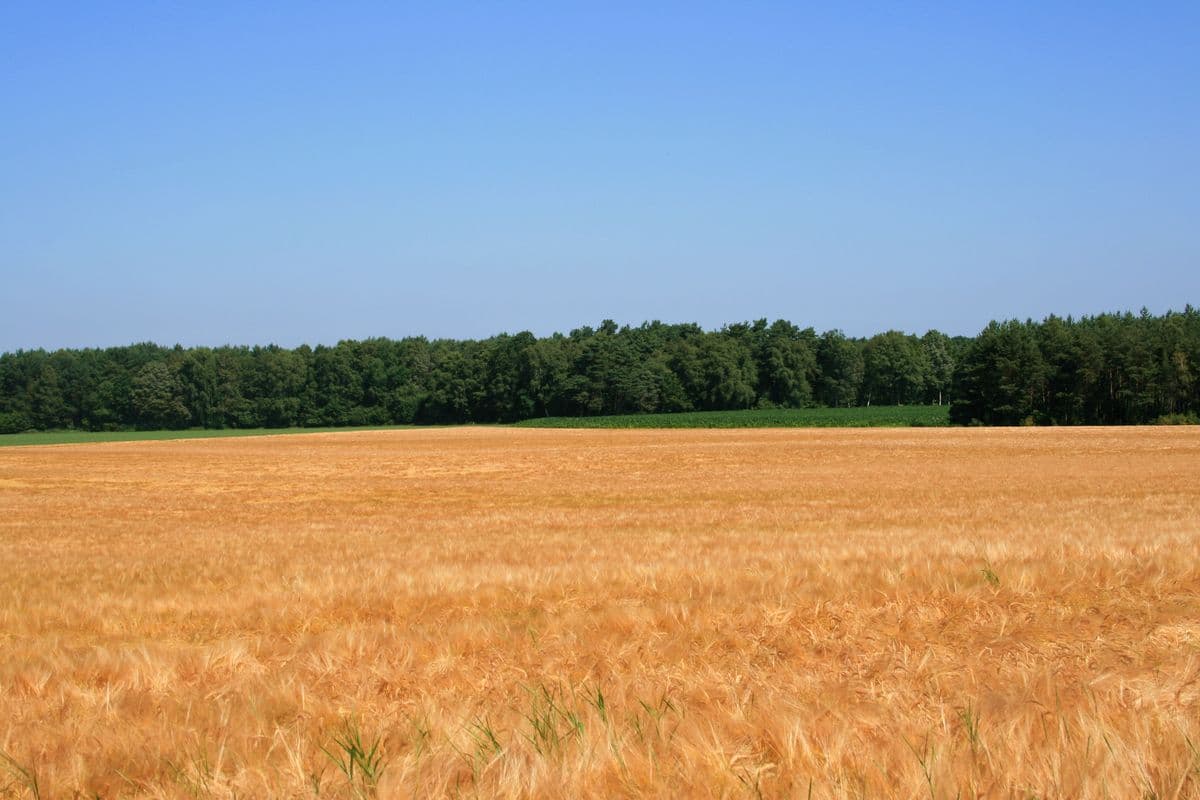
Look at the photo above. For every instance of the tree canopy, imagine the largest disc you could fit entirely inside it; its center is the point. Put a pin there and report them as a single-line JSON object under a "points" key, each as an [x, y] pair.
{"points": [[1107, 369]]}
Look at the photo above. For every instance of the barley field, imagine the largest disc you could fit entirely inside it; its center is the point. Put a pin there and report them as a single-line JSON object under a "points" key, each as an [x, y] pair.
{"points": [[504, 612]]}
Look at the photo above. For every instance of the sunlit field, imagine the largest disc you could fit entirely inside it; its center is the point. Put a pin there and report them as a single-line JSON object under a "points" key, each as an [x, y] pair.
{"points": [[506, 612]]}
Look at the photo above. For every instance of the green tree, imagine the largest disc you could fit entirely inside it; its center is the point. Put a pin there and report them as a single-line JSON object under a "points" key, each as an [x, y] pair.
{"points": [[839, 370], [548, 365], [785, 362], [157, 397], [895, 369], [1111, 368], [939, 358], [47, 402], [1001, 378], [717, 372]]}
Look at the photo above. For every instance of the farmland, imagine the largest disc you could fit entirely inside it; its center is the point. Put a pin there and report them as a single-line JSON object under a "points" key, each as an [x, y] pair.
{"points": [[857, 417], [91, 437], [510, 612], [861, 417]]}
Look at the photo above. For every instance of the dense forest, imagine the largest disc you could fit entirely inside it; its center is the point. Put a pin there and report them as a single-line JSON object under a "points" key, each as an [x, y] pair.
{"points": [[1107, 369]]}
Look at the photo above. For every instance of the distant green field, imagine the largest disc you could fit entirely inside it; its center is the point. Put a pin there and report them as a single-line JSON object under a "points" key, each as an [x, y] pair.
{"points": [[83, 437], [872, 417]]}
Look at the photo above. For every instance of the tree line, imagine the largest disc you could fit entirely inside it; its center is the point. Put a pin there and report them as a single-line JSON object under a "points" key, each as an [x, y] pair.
{"points": [[1112, 368]]}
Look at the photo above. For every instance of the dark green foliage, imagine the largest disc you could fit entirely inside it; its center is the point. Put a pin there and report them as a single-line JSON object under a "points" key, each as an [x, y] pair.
{"points": [[895, 369], [14, 422], [1097, 370], [939, 354], [1107, 370], [786, 361], [157, 398], [717, 372], [1178, 419], [1002, 377], [839, 369]]}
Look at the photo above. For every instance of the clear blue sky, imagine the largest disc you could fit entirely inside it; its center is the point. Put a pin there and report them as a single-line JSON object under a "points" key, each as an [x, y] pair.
{"points": [[257, 172]]}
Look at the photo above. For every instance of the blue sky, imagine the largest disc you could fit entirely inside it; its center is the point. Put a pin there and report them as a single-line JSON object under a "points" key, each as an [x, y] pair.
{"points": [[210, 173]]}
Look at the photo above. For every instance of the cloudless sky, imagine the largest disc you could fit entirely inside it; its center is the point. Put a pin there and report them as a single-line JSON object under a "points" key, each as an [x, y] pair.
{"points": [[246, 173]]}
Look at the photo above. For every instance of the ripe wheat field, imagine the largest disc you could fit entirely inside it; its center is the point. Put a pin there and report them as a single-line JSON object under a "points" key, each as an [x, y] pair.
{"points": [[500, 612]]}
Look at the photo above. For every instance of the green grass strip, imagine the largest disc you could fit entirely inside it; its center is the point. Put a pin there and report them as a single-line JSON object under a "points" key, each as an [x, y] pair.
{"points": [[85, 437], [872, 417]]}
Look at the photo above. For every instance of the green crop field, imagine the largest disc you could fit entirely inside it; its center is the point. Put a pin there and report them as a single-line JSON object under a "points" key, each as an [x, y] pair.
{"points": [[84, 437], [870, 417]]}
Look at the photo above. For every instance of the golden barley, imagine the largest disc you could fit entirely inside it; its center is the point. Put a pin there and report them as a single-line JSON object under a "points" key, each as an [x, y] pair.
{"points": [[513, 613]]}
